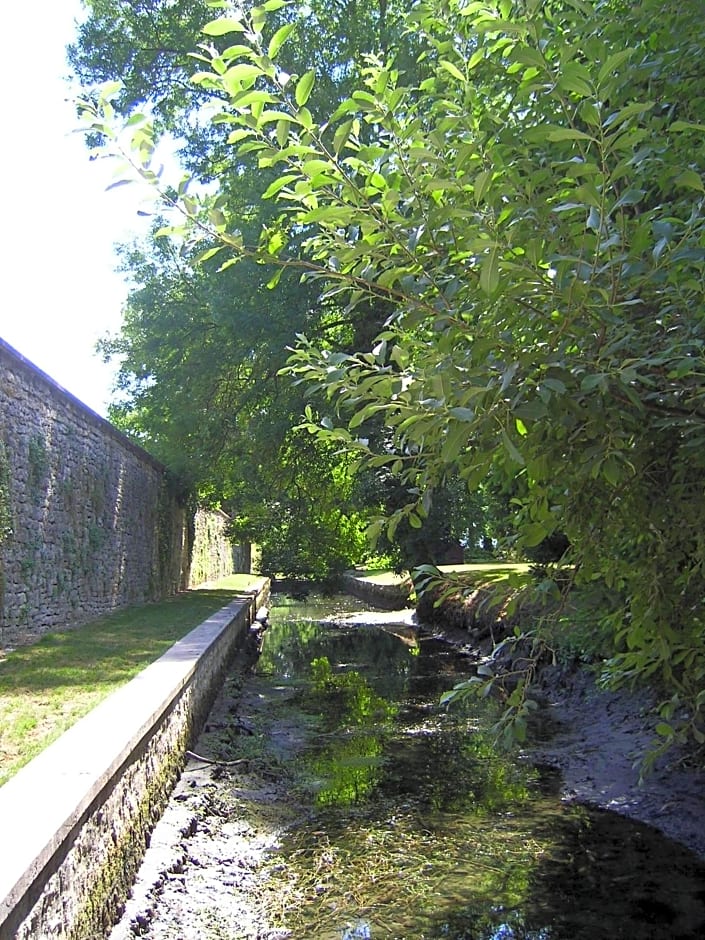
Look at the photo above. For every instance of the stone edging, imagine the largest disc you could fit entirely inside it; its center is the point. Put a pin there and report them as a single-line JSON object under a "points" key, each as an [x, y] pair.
{"points": [[387, 596], [76, 820]]}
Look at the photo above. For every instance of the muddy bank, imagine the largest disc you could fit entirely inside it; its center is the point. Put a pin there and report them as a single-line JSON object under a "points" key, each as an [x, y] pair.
{"points": [[600, 738], [597, 741], [202, 873]]}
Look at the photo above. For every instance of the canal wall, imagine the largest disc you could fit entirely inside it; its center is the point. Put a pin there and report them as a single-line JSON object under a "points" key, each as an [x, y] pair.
{"points": [[89, 522], [388, 596], [77, 819]]}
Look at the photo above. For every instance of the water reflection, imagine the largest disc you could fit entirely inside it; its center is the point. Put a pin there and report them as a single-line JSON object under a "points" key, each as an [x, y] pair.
{"points": [[418, 830], [349, 766]]}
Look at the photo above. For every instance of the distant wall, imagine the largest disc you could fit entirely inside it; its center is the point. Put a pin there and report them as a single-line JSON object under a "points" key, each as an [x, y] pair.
{"points": [[89, 522], [214, 555]]}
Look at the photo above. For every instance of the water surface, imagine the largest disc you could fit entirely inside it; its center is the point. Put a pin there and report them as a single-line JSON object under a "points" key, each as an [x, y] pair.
{"points": [[415, 828]]}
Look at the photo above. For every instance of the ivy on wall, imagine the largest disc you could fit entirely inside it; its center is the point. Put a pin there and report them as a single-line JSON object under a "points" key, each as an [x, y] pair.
{"points": [[5, 525], [38, 466], [5, 506], [174, 511]]}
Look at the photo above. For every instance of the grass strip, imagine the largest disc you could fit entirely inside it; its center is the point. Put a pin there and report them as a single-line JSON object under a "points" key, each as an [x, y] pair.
{"points": [[46, 687], [494, 570]]}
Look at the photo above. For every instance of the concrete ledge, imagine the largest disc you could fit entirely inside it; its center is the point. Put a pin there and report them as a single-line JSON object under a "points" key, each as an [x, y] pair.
{"points": [[75, 821], [387, 596]]}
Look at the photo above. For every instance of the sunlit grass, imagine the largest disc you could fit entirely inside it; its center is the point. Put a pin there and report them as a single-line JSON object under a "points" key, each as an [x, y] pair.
{"points": [[484, 567], [381, 576], [47, 687], [492, 569]]}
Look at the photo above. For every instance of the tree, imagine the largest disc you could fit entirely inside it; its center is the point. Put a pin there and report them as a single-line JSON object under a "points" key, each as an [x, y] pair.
{"points": [[199, 370], [199, 357], [532, 212]]}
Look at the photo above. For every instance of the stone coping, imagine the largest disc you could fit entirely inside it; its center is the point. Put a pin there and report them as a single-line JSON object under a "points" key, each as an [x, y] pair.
{"points": [[390, 596], [47, 801]]}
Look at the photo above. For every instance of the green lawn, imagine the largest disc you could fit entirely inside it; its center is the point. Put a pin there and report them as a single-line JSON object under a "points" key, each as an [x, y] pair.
{"points": [[47, 687], [490, 569], [486, 572], [381, 576]]}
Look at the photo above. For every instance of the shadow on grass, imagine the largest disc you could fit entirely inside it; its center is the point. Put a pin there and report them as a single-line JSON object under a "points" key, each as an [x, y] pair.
{"points": [[48, 686], [108, 652]]}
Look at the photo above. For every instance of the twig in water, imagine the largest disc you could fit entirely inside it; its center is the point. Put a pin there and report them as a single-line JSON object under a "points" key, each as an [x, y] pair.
{"points": [[219, 763]]}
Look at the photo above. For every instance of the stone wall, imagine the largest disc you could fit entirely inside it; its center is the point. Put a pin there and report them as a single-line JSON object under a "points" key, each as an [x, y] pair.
{"points": [[89, 522], [213, 555]]}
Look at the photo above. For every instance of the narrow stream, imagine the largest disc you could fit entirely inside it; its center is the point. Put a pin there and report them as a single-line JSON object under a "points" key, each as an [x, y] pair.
{"points": [[335, 800], [418, 829]]}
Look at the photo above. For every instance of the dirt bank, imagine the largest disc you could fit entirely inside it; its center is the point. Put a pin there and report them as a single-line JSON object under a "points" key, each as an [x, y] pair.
{"points": [[598, 741], [204, 868], [601, 737]]}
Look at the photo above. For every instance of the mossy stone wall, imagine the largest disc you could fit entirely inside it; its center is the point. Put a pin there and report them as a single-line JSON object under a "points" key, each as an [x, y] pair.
{"points": [[89, 522]]}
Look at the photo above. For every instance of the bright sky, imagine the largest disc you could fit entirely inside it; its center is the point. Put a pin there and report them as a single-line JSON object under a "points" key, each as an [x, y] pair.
{"points": [[60, 292]]}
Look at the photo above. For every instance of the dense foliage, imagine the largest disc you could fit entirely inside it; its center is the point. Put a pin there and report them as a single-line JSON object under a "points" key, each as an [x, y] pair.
{"points": [[200, 351], [527, 208]]}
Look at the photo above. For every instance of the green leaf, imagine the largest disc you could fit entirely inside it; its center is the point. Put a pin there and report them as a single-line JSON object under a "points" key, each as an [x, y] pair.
{"points": [[452, 70], [691, 180], [556, 385], [282, 132], [278, 184], [236, 52], [279, 38], [611, 471], [222, 26], [454, 442], [109, 90], [594, 221], [489, 272], [274, 279], [216, 218], [314, 168], [342, 134], [511, 449], [267, 117], [477, 57], [533, 534], [576, 78], [679, 126], [619, 117], [481, 183], [241, 133], [258, 17], [243, 75], [205, 255], [567, 133], [612, 63], [532, 410], [525, 55], [597, 380], [334, 214], [305, 119], [304, 87]]}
